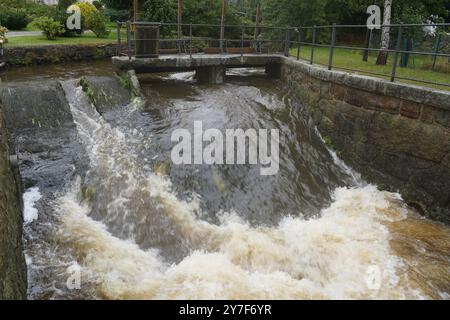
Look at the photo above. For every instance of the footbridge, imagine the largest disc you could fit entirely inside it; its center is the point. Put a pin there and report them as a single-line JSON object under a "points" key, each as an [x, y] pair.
{"points": [[209, 68]]}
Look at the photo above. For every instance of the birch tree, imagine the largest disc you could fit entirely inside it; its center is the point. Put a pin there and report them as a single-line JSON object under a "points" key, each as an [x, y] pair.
{"points": [[385, 36]]}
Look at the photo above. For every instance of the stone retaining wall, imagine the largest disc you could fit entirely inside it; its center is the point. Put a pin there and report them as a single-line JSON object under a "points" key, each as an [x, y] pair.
{"points": [[20, 56], [396, 135], [13, 278]]}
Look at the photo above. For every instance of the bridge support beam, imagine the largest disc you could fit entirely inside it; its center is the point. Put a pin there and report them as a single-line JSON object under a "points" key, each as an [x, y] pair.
{"points": [[273, 70], [210, 75]]}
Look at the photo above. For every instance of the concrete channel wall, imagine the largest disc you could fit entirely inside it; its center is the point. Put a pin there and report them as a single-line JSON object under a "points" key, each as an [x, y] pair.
{"points": [[397, 135], [33, 55], [13, 275]]}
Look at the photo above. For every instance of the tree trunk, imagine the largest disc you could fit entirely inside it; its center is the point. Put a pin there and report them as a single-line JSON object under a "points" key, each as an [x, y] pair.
{"points": [[383, 55]]}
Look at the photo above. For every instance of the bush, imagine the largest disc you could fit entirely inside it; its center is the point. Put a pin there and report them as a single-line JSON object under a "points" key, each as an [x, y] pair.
{"points": [[50, 28], [86, 9], [61, 17], [3, 32], [117, 15], [13, 19], [97, 22]]}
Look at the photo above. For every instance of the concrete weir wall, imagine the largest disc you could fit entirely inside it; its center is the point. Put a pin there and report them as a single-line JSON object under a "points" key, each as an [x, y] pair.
{"points": [[31, 55], [396, 135], [13, 282]]}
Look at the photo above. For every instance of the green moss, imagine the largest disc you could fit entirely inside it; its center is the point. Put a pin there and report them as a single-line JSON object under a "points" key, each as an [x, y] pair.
{"points": [[54, 58], [329, 143], [124, 82], [88, 193], [100, 53], [27, 60], [87, 90]]}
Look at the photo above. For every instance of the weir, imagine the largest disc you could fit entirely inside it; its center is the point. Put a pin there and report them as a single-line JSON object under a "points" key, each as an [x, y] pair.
{"points": [[103, 194]]}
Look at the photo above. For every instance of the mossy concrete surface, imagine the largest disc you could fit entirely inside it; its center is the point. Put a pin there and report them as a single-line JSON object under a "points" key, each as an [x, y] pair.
{"points": [[107, 93], [13, 274]]}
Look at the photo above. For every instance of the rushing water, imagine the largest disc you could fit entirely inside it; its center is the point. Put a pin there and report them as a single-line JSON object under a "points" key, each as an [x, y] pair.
{"points": [[137, 226]]}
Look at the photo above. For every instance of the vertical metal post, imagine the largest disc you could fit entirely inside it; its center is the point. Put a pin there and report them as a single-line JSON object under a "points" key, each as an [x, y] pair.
{"points": [[333, 43], [436, 49], [242, 42], [190, 41], [299, 39], [222, 25], [397, 49], [119, 41], [287, 44], [313, 44], [129, 39], [135, 10], [258, 12], [369, 38], [179, 26]]}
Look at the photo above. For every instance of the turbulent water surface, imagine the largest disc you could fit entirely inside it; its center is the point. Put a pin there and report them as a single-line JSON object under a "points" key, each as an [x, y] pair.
{"points": [[136, 226]]}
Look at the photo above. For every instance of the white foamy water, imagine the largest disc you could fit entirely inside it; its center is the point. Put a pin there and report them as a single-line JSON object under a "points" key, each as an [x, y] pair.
{"points": [[181, 76], [325, 258], [30, 197]]}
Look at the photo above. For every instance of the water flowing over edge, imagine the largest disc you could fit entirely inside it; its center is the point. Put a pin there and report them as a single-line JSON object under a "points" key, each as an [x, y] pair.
{"points": [[326, 258]]}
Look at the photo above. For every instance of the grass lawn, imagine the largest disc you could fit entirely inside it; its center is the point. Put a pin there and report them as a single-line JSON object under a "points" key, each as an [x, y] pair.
{"points": [[86, 38], [419, 67]]}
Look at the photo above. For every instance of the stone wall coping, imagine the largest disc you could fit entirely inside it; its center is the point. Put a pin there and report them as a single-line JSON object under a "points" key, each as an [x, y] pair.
{"points": [[422, 95]]}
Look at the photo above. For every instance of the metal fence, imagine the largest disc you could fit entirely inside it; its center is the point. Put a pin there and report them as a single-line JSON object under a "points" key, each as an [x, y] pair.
{"points": [[290, 41]]}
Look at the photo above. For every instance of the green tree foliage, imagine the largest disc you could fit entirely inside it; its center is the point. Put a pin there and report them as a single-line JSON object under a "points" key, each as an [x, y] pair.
{"points": [[64, 4], [159, 11], [14, 19], [414, 10], [307, 12], [118, 4]]}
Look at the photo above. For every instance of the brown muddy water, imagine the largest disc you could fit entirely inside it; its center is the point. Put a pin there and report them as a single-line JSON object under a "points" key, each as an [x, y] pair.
{"points": [[133, 225]]}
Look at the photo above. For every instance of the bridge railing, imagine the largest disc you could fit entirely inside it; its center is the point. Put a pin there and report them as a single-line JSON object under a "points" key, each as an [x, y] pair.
{"points": [[421, 54], [208, 38]]}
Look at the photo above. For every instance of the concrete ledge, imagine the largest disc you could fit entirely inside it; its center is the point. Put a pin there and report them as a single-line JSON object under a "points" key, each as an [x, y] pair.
{"points": [[31, 55], [167, 63]]}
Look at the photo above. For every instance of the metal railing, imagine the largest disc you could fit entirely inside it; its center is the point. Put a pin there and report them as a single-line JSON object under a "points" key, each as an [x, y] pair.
{"points": [[261, 39], [399, 29], [242, 38]]}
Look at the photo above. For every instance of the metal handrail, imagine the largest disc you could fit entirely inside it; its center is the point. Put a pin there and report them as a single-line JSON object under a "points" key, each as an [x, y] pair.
{"points": [[285, 44]]}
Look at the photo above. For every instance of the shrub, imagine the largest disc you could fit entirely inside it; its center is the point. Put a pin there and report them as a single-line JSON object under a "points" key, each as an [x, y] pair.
{"points": [[97, 22], [3, 32], [13, 19], [50, 28], [86, 9], [61, 17]]}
